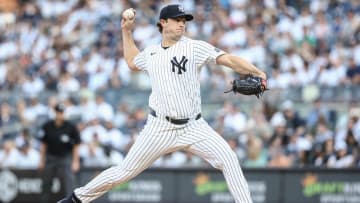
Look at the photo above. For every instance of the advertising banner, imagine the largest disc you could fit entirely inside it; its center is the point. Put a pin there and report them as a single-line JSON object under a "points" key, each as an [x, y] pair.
{"points": [[211, 187], [198, 186], [25, 186], [148, 187], [322, 187]]}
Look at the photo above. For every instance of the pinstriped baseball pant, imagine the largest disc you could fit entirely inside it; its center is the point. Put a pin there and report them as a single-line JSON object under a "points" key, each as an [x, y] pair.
{"points": [[160, 137]]}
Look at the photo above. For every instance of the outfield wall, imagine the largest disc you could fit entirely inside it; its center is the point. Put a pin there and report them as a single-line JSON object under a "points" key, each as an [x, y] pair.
{"points": [[200, 186]]}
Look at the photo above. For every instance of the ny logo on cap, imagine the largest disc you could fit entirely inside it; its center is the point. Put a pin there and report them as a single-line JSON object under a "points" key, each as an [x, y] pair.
{"points": [[181, 9]]}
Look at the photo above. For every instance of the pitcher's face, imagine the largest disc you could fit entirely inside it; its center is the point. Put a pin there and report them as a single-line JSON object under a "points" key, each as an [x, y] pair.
{"points": [[174, 28]]}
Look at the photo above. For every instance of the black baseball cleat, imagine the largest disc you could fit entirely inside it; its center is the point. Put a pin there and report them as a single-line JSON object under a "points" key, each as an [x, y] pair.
{"points": [[70, 199]]}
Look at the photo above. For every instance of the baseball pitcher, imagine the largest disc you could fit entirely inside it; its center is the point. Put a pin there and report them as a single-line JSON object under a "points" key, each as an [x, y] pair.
{"points": [[174, 120]]}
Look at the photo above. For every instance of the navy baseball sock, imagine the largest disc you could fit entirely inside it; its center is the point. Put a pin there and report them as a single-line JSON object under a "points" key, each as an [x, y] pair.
{"points": [[70, 199]]}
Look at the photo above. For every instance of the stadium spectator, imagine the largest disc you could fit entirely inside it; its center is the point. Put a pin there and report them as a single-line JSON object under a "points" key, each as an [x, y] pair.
{"points": [[257, 155], [117, 140], [278, 158], [29, 157], [9, 154], [293, 119], [7, 118], [341, 158], [172, 160], [104, 110], [353, 73], [318, 113], [94, 131], [92, 155]]}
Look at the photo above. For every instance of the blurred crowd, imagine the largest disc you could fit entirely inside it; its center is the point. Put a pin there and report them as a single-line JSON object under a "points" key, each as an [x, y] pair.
{"points": [[265, 136], [74, 48]]}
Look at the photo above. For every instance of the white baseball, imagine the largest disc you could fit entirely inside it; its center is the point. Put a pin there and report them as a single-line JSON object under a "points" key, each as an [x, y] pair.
{"points": [[129, 14]]}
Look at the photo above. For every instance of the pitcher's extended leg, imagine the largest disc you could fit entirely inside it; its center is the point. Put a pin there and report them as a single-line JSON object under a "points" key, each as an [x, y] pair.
{"points": [[147, 148], [214, 149]]}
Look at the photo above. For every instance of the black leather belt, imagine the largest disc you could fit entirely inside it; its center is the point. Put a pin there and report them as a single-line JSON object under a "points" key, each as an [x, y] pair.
{"points": [[175, 121]]}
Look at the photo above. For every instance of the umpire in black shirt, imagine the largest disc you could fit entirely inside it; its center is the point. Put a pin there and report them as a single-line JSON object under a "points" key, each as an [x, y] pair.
{"points": [[60, 141]]}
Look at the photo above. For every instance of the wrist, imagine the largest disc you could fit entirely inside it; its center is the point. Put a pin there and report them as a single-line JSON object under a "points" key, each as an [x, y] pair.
{"points": [[262, 75], [126, 31]]}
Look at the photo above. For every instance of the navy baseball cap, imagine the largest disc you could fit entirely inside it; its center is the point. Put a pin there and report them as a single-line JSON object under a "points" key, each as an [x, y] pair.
{"points": [[174, 11]]}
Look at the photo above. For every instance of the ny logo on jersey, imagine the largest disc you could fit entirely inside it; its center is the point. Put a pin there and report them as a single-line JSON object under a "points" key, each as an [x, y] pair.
{"points": [[180, 65]]}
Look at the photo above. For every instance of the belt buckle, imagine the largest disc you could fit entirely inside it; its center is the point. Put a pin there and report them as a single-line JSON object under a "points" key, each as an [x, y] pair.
{"points": [[177, 121], [169, 119]]}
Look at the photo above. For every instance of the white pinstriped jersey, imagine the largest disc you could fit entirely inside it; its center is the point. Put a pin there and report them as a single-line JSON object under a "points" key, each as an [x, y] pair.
{"points": [[174, 75]]}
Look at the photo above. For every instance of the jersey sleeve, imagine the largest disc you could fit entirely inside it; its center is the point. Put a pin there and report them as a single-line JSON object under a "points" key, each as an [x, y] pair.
{"points": [[140, 60], [205, 52]]}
